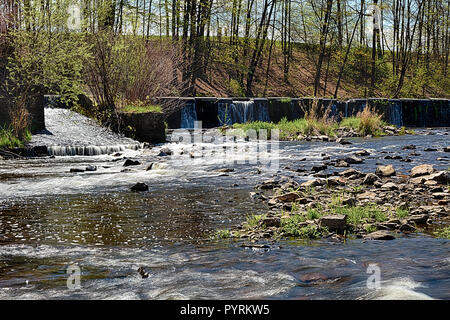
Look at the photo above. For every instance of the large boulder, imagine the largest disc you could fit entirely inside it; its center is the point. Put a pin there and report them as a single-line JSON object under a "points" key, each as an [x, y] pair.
{"points": [[336, 222], [385, 171], [422, 170]]}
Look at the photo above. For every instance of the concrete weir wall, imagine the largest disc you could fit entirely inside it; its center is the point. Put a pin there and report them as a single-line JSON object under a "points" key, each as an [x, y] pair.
{"points": [[214, 111], [147, 127], [35, 108]]}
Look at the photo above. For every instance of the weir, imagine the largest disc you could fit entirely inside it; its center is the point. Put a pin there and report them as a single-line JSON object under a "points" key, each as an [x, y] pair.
{"points": [[215, 112]]}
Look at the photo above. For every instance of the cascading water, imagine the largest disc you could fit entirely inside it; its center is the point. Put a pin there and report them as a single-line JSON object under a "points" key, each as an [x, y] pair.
{"points": [[396, 114], [242, 112], [188, 116], [71, 134]]}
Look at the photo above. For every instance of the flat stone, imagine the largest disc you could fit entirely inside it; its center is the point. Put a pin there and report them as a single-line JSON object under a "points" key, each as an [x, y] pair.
{"points": [[342, 141], [335, 223], [389, 186], [440, 195], [385, 171], [422, 170], [288, 197], [380, 235], [77, 170], [91, 168], [350, 172], [313, 183]]}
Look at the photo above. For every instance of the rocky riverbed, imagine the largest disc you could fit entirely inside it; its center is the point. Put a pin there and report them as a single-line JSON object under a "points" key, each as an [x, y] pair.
{"points": [[372, 205]]}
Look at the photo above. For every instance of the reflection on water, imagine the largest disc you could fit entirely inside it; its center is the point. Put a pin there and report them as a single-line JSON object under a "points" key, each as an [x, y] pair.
{"points": [[50, 219]]}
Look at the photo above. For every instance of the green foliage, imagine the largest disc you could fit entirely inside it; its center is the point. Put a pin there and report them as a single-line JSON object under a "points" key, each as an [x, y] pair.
{"points": [[443, 233], [236, 89], [357, 215], [401, 213], [47, 61], [9, 140], [140, 108], [223, 234]]}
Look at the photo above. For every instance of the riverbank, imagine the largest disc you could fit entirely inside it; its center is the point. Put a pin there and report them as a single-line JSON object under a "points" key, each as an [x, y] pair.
{"points": [[373, 205]]}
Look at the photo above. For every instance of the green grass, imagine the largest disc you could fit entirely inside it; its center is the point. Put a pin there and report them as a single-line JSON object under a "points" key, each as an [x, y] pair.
{"points": [[401, 213], [290, 227], [9, 140], [142, 109], [443, 233], [289, 129], [360, 214], [351, 122], [223, 234]]}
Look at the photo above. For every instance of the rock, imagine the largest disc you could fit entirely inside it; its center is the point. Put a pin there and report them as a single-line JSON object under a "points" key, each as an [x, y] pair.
{"points": [[442, 177], [341, 164], [368, 195], [77, 170], [270, 222], [430, 149], [130, 162], [225, 170], [422, 170], [418, 218], [407, 228], [418, 180], [353, 160], [389, 186], [380, 235], [157, 166], [288, 197], [440, 195], [349, 173], [269, 184], [443, 202], [313, 183], [334, 223], [385, 171], [337, 181], [409, 147], [342, 141], [319, 168], [370, 179], [167, 151], [446, 149], [91, 168], [362, 153], [140, 186]]}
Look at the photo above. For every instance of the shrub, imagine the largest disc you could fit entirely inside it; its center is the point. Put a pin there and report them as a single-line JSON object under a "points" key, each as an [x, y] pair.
{"points": [[370, 122]]}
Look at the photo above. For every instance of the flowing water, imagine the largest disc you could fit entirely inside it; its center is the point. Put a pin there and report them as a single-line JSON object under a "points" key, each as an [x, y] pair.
{"points": [[51, 219]]}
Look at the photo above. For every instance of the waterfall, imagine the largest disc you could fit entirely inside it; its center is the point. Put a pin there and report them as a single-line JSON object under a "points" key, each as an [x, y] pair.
{"points": [[69, 133], [396, 113], [89, 150], [242, 112], [188, 116]]}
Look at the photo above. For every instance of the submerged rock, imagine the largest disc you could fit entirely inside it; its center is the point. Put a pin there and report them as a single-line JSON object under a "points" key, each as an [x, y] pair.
{"points": [[130, 162], [77, 170], [140, 186]]}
